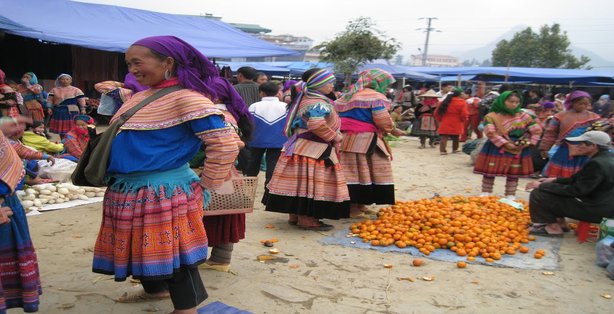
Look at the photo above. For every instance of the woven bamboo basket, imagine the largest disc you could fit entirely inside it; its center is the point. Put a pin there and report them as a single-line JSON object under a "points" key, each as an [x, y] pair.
{"points": [[239, 202]]}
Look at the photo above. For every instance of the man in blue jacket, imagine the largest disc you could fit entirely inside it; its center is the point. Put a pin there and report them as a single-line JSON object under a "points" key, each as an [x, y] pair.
{"points": [[588, 195], [269, 120]]}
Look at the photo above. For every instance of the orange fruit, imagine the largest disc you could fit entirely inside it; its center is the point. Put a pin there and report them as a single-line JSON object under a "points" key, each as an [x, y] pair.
{"points": [[461, 264], [524, 249], [417, 262]]}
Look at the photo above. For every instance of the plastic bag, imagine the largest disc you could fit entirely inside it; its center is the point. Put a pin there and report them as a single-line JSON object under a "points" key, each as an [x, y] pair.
{"points": [[60, 171], [605, 252], [107, 106]]}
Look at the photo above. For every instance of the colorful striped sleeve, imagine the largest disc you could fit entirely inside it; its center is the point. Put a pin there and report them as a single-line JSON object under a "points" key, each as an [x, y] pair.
{"points": [[316, 123], [221, 149], [382, 119], [551, 134], [26, 153], [491, 132], [535, 130]]}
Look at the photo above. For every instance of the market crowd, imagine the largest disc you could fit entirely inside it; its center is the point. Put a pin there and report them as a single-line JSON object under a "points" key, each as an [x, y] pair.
{"points": [[324, 151]]}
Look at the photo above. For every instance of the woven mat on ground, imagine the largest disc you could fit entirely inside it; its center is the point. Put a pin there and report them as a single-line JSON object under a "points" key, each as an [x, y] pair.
{"points": [[525, 261]]}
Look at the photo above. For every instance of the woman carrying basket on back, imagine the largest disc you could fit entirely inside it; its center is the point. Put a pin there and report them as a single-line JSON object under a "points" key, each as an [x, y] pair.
{"points": [[223, 231]]}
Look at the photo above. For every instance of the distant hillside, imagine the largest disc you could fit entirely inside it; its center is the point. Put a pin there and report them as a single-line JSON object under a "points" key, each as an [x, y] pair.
{"points": [[485, 52]]}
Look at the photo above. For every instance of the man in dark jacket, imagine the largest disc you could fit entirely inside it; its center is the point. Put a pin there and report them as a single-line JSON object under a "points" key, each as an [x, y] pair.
{"points": [[588, 195]]}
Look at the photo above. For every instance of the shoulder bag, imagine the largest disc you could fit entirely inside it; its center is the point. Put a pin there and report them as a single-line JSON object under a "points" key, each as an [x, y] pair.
{"points": [[92, 166]]}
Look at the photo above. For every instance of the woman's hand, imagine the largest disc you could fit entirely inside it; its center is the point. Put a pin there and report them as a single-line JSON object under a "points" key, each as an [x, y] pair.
{"points": [[510, 146], [536, 184], [396, 132], [338, 138], [51, 160], [5, 213], [544, 154]]}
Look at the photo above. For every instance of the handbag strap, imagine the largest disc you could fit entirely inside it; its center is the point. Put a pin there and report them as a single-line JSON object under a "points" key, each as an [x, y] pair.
{"points": [[130, 112]]}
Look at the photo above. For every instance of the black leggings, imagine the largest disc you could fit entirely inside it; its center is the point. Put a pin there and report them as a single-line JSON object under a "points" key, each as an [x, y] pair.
{"points": [[185, 287]]}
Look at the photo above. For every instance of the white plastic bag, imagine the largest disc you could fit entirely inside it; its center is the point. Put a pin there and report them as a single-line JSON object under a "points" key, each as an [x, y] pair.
{"points": [[61, 171]]}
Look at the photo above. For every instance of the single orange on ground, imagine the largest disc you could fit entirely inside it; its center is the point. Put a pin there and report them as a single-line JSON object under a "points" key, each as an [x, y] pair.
{"points": [[417, 262], [461, 264]]}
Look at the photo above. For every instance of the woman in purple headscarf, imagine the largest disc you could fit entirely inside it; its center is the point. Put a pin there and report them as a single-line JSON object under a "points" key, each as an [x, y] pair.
{"points": [[286, 91], [574, 121], [152, 226]]}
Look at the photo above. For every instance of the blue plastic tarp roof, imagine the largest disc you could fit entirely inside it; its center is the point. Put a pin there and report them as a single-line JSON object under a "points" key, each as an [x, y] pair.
{"points": [[517, 74], [113, 28], [259, 66], [299, 67], [400, 72]]}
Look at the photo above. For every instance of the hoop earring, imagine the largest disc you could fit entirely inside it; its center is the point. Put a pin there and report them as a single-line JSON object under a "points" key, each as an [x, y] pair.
{"points": [[167, 75]]}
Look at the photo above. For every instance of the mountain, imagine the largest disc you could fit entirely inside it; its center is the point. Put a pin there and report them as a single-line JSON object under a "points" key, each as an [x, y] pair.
{"points": [[596, 62], [485, 52]]}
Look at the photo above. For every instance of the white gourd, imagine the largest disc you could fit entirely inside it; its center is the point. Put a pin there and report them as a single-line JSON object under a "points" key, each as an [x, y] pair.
{"points": [[27, 204]]}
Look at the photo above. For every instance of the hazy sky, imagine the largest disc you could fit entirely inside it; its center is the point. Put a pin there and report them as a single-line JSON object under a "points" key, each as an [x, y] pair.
{"points": [[464, 25]]}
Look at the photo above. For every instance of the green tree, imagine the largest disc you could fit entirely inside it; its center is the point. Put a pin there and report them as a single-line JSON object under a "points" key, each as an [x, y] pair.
{"points": [[547, 49], [357, 45]]}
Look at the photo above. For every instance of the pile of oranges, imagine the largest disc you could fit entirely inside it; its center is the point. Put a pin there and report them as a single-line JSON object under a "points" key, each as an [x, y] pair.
{"points": [[469, 226]]}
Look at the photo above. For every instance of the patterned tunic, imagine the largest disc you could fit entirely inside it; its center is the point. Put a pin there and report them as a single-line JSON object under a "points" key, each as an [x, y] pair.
{"points": [[565, 124], [494, 159], [308, 179]]}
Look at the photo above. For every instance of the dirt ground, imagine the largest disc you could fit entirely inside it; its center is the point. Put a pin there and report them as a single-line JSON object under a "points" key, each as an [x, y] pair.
{"points": [[313, 278]]}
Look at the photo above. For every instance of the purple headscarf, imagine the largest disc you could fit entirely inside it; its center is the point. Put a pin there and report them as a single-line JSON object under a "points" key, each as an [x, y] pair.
{"points": [[228, 95], [548, 105], [193, 69], [288, 84], [575, 95], [132, 84]]}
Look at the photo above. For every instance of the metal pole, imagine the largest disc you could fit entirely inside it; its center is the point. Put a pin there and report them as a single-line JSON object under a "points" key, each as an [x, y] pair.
{"points": [[426, 43], [428, 31]]}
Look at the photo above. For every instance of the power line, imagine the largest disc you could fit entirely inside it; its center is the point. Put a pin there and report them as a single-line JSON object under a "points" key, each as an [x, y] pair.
{"points": [[428, 31]]}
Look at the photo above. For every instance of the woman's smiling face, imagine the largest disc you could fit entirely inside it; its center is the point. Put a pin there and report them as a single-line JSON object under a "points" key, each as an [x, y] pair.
{"points": [[146, 67]]}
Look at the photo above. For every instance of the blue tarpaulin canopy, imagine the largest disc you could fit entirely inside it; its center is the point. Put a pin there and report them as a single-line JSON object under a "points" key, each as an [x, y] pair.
{"points": [[299, 67], [399, 71], [113, 28], [517, 74], [259, 66]]}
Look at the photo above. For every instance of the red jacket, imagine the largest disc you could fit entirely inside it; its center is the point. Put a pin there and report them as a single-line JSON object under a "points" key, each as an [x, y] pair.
{"points": [[453, 120]]}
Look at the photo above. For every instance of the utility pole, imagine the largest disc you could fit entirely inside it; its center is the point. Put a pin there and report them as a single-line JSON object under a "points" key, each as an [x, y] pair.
{"points": [[428, 31]]}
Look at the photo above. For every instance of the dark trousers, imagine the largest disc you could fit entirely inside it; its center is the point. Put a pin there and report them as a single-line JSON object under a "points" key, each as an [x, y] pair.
{"points": [[255, 159], [185, 287], [546, 207], [243, 160], [272, 155]]}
